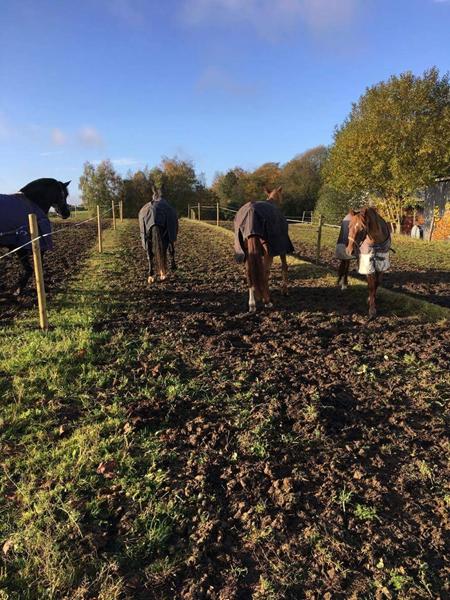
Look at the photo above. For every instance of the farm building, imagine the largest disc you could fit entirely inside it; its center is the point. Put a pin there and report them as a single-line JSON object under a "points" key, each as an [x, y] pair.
{"points": [[432, 212], [436, 204]]}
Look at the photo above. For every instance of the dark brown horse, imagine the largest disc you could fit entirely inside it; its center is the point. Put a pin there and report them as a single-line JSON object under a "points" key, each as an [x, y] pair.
{"points": [[367, 236], [261, 232], [158, 224]]}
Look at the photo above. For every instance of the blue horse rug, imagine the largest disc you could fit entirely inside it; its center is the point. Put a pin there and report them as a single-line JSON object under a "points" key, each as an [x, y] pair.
{"points": [[265, 220], [14, 227], [158, 212]]}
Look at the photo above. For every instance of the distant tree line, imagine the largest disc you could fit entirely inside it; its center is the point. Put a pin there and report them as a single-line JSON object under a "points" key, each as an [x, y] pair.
{"points": [[101, 185], [394, 143]]}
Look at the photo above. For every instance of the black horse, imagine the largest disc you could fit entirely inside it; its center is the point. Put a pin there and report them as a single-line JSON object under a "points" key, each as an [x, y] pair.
{"points": [[158, 224], [37, 197]]}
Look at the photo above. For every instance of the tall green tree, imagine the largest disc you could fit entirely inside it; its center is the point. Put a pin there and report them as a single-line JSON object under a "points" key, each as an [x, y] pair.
{"points": [[99, 185], [395, 141], [302, 179]]}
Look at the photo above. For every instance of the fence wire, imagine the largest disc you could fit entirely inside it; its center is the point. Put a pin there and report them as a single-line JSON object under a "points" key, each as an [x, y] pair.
{"points": [[52, 233]]}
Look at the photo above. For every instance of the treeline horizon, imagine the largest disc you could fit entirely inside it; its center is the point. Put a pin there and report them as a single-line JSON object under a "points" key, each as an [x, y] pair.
{"points": [[394, 143]]}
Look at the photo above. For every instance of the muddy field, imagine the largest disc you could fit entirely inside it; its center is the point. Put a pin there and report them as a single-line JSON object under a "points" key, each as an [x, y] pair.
{"points": [[313, 463], [299, 453], [430, 284], [70, 249]]}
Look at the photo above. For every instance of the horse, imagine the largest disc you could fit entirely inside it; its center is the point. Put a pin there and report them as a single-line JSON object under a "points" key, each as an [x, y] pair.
{"points": [[158, 225], [36, 197], [364, 235], [260, 233]]}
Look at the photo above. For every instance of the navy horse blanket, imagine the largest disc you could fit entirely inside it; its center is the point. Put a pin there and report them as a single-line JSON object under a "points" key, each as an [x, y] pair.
{"points": [[265, 220], [158, 212], [14, 228]]}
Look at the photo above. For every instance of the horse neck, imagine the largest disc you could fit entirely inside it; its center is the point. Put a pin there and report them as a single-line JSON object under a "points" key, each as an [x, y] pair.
{"points": [[375, 229], [40, 200]]}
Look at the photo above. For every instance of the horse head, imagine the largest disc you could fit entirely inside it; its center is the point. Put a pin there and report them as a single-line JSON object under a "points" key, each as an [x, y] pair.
{"points": [[49, 192], [274, 195], [356, 229]]}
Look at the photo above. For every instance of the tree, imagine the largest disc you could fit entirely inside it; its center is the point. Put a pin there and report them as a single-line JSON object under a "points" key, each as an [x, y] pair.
{"points": [[180, 182], [333, 205], [395, 141], [301, 178], [229, 187], [99, 185], [267, 175]]}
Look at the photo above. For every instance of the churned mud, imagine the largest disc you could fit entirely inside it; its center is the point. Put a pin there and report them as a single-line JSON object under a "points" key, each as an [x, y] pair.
{"points": [[72, 244], [307, 448]]}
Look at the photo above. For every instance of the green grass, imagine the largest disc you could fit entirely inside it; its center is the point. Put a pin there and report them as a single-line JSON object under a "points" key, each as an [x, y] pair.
{"points": [[64, 404]]}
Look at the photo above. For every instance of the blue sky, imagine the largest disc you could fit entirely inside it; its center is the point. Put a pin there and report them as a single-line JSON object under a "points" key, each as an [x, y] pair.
{"points": [[220, 82]]}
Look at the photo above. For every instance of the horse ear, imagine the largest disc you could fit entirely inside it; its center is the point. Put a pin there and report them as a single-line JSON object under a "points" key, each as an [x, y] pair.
{"points": [[352, 212], [266, 189], [67, 183], [280, 189]]}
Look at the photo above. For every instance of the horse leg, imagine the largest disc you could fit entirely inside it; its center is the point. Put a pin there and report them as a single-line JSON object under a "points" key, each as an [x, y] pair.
{"points": [[251, 292], [150, 258], [284, 275], [24, 258], [372, 282], [343, 274], [173, 264], [267, 266]]}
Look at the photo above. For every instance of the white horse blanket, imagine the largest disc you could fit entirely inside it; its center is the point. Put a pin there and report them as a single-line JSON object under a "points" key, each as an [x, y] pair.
{"points": [[372, 258]]}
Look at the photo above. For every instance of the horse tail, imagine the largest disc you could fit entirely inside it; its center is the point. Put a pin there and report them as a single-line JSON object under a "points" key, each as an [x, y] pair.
{"points": [[158, 250], [255, 264]]}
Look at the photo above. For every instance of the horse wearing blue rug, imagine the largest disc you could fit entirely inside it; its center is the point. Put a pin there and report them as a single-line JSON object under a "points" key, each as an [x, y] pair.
{"points": [[260, 233], [158, 225], [37, 197]]}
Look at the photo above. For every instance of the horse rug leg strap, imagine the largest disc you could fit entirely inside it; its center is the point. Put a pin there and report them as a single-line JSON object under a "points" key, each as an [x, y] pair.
{"points": [[374, 262]]}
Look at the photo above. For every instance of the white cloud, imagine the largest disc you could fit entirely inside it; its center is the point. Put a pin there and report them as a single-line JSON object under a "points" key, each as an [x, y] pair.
{"points": [[59, 138], [216, 78], [89, 136], [272, 18]]}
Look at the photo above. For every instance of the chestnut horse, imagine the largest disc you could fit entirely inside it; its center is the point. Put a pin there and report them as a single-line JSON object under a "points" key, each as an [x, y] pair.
{"points": [[368, 237], [261, 232]]}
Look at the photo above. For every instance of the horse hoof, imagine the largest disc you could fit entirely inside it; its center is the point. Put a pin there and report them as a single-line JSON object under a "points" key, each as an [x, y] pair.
{"points": [[252, 308], [372, 315], [151, 280], [344, 286], [268, 305], [163, 277]]}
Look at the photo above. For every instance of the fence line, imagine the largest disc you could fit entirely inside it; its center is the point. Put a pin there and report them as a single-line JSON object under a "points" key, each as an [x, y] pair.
{"points": [[52, 233]]}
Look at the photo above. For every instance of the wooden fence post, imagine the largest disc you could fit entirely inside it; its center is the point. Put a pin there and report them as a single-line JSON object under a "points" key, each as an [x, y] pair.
{"points": [[199, 215], [99, 229], [319, 238], [303, 217], [217, 214], [113, 215], [121, 210], [189, 212], [38, 272]]}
